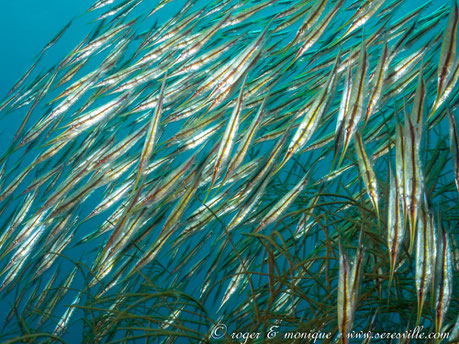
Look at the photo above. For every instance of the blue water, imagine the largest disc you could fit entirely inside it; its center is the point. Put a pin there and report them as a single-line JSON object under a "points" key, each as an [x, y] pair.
{"points": [[26, 26]]}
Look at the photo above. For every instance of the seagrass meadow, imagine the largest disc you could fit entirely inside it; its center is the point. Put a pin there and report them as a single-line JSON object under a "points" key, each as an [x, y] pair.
{"points": [[234, 172]]}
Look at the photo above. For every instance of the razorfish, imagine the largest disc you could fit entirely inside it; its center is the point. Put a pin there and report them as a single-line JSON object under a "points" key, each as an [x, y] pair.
{"points": [[214, 170]]}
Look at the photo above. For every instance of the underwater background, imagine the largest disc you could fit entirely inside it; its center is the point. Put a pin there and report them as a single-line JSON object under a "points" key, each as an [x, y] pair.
{"points": [[276, 170]]}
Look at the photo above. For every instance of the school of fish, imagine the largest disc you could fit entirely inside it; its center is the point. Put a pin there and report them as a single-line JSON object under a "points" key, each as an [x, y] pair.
{"points": [[238, 163]]}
